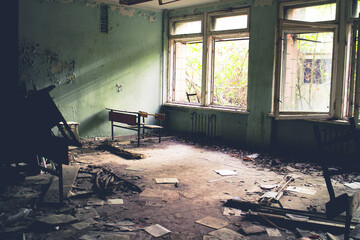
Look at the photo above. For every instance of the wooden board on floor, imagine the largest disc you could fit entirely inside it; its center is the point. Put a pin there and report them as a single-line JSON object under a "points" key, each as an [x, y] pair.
{"points": [[69, 176]]}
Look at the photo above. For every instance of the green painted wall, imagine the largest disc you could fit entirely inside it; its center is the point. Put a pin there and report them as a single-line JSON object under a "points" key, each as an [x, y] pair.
{"points": [[261, 68], [252, 129], [60, 44]]}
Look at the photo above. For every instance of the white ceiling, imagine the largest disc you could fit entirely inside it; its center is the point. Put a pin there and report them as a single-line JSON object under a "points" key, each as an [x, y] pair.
{"points": [[154, 4]]}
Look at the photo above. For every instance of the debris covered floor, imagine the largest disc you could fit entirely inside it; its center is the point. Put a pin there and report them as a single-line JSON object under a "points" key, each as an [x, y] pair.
{"points": [[176, 191]]}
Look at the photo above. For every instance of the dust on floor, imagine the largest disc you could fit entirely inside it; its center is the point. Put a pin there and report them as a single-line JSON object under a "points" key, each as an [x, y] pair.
{"points": [[183, 188]]}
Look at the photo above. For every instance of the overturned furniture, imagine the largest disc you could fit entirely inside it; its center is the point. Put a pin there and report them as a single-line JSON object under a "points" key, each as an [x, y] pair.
{"points": [[339, 149], [43, 150]]}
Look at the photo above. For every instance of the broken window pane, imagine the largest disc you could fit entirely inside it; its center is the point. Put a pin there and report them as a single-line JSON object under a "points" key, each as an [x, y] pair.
{"points": [[307, 72], [318, 13], [356, 8], [188, 71], [186, 27], [231, 72], [229, 23]]}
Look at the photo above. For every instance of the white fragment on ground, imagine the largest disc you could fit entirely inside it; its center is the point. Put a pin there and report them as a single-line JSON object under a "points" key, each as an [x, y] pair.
{"points": [[301, 190], [354, 185], [226, 172], [166, 180], [115, 201], [156, 230]]}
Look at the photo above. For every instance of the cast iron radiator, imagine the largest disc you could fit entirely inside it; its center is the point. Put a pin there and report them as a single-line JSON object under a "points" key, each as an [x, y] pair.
{"points": [[204, 124]]}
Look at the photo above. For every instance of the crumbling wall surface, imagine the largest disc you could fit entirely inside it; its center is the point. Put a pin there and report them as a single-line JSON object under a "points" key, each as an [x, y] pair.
{"points": [[61, 44]]}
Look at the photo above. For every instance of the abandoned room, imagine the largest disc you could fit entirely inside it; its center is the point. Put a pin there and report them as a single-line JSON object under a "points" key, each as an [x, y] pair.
{"points": [[181, 119]]}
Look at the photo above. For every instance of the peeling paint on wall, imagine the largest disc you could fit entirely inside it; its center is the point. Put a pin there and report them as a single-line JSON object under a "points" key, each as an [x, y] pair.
{"points": [[37, 64], [263, 3], [123, 11], [61, 1], [152, 19], [93, 4]]}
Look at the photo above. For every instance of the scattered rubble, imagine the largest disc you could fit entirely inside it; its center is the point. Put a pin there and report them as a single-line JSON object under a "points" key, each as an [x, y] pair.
{"points": [[95, 207]]}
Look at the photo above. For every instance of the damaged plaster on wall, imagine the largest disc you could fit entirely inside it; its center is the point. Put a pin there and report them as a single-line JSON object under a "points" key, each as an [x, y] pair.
{"points": [[125, 11], [37, 64], [263, 3]]}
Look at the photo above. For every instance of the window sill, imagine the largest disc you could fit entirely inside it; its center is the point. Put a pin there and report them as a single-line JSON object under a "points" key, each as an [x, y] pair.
{"points": [[317, 118], [213, 108]]}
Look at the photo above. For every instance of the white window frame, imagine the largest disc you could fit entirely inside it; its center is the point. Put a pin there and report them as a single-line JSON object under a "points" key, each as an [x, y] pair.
{"points": [[306, 27], [171, 53], [208, 38], [354, 82]]}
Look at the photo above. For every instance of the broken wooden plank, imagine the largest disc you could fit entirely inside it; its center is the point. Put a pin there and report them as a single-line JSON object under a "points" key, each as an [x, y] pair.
{"points": [[69, 175], [212, 222], [120, 152]]}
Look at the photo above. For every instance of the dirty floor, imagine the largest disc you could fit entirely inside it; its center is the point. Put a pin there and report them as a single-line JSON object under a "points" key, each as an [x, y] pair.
{"points": [[189, 205]]}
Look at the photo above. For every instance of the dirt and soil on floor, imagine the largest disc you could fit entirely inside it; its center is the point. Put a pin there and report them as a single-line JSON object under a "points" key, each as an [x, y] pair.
{"points": [[176, 189]]}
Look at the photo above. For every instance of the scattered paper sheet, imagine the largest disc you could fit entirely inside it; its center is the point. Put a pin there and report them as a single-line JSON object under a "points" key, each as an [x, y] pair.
{"points": [[134, 168], [95, 202], [232, 212], [269, 195], [57, 219], [225, 233], [107, 236], [249, 228], [115, 201], [212, 222], [354, 185], [84, 224], [166, 180], [156, 230], [226, 172], [301, 190], [268, 186], [253, 156], [273, 232]]}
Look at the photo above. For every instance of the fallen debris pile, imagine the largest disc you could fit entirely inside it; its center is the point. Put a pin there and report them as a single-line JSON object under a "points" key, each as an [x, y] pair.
{"points": [[107, 183], [289, 216]]}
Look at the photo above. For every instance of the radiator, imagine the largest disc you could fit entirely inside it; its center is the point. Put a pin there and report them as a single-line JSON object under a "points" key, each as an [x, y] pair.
{"points": [[204, 124]]}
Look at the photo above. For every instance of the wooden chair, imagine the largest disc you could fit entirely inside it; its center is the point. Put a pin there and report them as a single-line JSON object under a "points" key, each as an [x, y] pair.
{"points": [[159, 117], [188, 95], [127, 120], [339, 150]]}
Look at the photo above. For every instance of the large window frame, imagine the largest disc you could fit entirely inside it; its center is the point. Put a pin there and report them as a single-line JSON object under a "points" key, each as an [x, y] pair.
{"points": [[345, 83], [208, 37], [353, 94], [301, 27]]}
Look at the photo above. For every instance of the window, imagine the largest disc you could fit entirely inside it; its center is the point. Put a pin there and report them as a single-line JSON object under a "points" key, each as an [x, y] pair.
{"points": [[230, 72], [317, 60], [313, 60], [186, 27], [316, 13], [353, 87], [186, 86], [208, 59], [307, 71]]}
